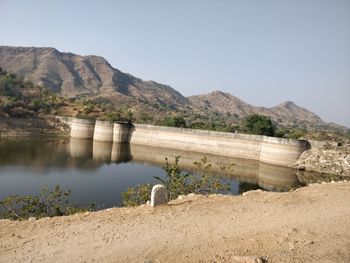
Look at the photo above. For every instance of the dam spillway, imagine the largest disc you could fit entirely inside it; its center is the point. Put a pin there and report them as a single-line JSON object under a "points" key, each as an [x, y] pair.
{"points": [[277, 151]]}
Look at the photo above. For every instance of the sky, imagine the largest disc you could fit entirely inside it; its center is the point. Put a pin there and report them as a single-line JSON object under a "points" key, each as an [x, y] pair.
{"points": [[264, 52]]}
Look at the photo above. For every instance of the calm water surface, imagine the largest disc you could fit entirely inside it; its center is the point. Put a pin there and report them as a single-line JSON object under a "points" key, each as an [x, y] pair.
{"points": [[100, 172]]}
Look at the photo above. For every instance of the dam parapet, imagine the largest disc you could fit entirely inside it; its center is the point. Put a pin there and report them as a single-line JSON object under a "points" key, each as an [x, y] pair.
{"points": [[277, 151]]}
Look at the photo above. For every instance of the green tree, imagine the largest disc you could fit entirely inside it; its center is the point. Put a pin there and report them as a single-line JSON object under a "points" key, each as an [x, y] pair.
{"points": [[174, 121], [259, 124]]}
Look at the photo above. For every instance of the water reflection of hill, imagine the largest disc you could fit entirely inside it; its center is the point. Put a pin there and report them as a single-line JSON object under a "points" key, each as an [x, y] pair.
{"points": [[86, 154], [33, 153], [47, 153]]}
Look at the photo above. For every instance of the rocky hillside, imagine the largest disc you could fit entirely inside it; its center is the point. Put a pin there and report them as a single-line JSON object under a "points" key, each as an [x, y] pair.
{"points": [[326, 157], [221, 102], [92, 76], [73, 75], [286, 113]]}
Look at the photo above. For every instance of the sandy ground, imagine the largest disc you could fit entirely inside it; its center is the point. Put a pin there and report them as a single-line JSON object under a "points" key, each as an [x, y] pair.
{"points": [[311, 224]]}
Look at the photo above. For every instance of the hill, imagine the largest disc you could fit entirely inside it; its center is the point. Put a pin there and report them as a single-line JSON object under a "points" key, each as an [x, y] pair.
{"points": [[93, 84], [74, 75], [287, 113]]}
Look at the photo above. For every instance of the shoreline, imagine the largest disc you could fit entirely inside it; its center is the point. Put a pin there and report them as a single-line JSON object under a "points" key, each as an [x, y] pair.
{"points": [[278, 227], [47, 126], [329, 158]]}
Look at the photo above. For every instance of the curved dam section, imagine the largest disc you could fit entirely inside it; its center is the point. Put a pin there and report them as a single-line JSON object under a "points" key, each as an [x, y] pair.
{"points": [[276, 151], [281, 151]]}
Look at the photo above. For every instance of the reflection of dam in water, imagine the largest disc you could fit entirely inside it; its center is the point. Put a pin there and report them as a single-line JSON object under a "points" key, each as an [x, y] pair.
{"points": [[278, 151], [103, 152], [266, 176]]}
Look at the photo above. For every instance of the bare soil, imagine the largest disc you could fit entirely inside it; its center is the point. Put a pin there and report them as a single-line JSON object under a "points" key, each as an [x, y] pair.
{"points": [[311, 224], [14, 127]]}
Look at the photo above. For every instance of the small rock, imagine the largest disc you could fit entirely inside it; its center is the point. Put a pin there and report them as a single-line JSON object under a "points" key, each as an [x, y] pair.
{"points": [[301, 167], [252, 192], [31, 219], [291, 246], [246, 259]]}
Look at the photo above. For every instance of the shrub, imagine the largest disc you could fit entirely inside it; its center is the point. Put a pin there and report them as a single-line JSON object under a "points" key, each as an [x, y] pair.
{"points": [[137, 195], [178, 183], [37, 104], [259, 124], [113, 116], [174, 121], [145, 118], [46, 204], [198, 125], [7, 104], [296, 133], [129, 116]]}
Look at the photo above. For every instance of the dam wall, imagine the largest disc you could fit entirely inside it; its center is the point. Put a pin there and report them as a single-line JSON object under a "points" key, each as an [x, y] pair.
{"points": [[277, 151], [281, 151], [103, 131], [82, 128], [122, 132]]}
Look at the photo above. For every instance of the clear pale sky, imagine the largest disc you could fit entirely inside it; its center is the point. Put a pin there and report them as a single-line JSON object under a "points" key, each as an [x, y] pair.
{"points": [[264, 52]]}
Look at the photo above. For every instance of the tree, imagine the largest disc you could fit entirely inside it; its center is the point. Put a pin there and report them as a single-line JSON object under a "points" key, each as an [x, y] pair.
{"points": [[259, 124], [174, 121]]}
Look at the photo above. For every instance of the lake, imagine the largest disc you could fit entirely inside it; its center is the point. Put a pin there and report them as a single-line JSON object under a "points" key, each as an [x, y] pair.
{"points": [[100, 172]]}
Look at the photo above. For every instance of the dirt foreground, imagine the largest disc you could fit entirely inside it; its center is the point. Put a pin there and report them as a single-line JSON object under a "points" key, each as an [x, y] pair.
{"points": [[311, 224]]}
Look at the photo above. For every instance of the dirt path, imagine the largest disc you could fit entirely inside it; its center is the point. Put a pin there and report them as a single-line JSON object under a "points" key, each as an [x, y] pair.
{"points": [[311, 224]]}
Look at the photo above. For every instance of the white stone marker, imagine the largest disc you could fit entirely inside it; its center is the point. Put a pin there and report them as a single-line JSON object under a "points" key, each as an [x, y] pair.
{"points": [[159, 195]]}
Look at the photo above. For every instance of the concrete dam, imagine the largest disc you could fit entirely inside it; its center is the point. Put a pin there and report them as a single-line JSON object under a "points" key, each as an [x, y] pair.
{"points": [[270, 150]]}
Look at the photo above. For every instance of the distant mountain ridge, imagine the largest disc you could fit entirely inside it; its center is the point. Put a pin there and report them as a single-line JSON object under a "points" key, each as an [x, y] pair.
{"points": [[74, 75], [286, 113]]}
